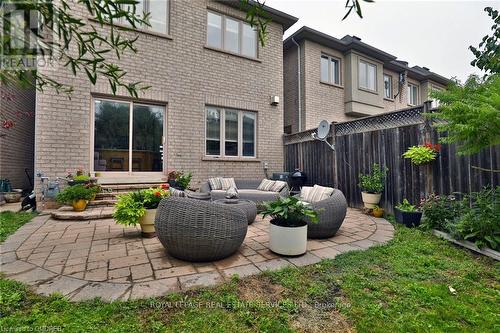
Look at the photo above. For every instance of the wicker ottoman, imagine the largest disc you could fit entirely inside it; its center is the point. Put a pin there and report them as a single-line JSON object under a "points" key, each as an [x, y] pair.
{"points": [[196, 230], [249, 207]]}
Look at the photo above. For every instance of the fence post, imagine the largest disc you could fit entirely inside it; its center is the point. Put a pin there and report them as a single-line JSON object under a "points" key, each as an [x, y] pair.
{"points": [[335, 169], [429, 179]]}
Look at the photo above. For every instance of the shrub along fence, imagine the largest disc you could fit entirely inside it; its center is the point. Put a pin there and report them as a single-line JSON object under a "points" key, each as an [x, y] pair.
{"points": [[383, 139]]}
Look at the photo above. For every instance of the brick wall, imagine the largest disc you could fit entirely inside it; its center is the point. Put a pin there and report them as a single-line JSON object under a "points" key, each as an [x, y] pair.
{"points": [[16, 143], [185, 76]]}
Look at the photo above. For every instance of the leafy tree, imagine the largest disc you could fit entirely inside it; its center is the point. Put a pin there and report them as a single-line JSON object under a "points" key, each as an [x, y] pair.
{"points": [[488, 52], [470, 113]]}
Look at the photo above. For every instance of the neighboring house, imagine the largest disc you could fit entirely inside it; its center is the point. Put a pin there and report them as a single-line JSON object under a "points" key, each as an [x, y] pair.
{"points": [[209, 109], [343, 79]]}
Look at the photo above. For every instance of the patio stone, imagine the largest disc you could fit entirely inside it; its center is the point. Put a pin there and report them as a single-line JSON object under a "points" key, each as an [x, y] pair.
{"points": [[97, 258], [62, 284], [154, 288], [200, 280]]}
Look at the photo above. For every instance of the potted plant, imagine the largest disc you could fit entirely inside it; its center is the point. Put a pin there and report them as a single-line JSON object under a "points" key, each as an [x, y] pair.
{"points": [[179, 179], [94, 188], [424, 154], [408, 214], [77, 195], [288, 228], [372, 185], [378, 211], [140, 207]]}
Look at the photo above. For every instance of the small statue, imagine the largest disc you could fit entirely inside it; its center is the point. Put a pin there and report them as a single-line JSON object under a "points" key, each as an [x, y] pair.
{"points": [[232, 193]]}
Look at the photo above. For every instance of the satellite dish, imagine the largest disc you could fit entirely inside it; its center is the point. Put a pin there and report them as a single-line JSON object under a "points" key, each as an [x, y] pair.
{"points": [[323, 129]]}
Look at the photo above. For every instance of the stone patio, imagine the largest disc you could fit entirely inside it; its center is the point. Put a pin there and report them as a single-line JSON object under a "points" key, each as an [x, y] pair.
{"points": [[98, 258]]}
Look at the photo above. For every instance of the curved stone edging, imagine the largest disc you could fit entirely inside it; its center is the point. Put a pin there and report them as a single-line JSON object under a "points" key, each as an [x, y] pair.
{"points": [[82, 261]]}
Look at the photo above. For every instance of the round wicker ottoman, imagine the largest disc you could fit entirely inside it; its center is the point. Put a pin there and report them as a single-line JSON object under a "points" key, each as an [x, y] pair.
{"points": [[331, 213], [196, 230], [249, 207]]}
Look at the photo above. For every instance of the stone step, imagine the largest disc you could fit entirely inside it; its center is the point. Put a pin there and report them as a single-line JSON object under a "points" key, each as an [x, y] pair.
{"points": [[128, 187], [108, 195], [102, 202], [91, 213]]}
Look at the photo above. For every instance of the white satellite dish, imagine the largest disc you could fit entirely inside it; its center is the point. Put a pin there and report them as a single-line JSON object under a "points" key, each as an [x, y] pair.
{"points": [[323, 129], [322, 133]]}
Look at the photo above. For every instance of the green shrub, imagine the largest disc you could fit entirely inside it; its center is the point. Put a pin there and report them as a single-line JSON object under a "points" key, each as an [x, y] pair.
{"points": [[481, 222], [132, 206], [373, 182], [406, 206], [440, 210], [75, 192], [288, 212], [184, 179]]}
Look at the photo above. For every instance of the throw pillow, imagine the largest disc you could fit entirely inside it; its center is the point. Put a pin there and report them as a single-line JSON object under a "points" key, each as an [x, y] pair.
{"points": [[278, 186], [227, 183], [266, 185], [305, 192], [319, 193], [215, 183]]}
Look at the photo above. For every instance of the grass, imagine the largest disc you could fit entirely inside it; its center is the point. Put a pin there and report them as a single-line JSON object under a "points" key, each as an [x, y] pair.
{"points": [[10, 222], [401, 287]]}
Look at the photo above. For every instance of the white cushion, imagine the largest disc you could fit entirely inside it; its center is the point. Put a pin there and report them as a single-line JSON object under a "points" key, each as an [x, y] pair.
{"points": [[316, 193], [215, 183], [266, 185], [227, 183], [278, 186], [304, 192]]}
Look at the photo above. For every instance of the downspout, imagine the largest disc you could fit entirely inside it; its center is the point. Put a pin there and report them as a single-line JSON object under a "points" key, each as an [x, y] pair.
{"points": [[299, 84]]}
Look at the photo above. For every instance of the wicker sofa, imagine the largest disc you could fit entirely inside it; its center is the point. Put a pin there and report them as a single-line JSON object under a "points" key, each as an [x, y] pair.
{"points": [[247, 189], [331, 214], [196, 230]]}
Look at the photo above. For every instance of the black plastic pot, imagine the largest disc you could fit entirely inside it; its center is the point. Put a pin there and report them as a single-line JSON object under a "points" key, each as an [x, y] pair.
{"points": [[175, 185], [409, 219]]}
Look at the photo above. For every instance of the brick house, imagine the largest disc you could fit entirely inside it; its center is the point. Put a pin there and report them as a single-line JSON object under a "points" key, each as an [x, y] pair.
{"points": [[209, 108], [343, 79]]}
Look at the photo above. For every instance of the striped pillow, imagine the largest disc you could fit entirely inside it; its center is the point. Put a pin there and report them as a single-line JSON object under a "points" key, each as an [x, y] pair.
{"points": [[215, 183], [304, 192], [227, 183], [177, 193], [319, 193], [266, 185], [278, 186]]}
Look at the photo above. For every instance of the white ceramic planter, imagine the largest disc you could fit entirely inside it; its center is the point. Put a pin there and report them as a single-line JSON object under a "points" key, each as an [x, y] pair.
{"points": [[288, 241], [147, 223], [370, 199]]}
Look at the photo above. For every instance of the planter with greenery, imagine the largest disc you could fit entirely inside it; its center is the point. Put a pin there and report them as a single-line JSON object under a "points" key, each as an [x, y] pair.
{"points": [[407, 214], [288, 228], [372, 185], [424, 154], [378, 211], [179, 179], [77, 196], [140, 207]]}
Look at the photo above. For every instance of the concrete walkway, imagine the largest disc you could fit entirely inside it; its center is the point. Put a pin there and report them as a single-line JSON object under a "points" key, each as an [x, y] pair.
{"points": [[98, 258]]}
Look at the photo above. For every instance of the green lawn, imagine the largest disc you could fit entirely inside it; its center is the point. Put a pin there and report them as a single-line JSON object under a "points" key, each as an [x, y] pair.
{"points": [[10, 222], [400, 287]]}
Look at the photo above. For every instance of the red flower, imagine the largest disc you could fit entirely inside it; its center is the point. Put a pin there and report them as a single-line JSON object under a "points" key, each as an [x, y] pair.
{"points": [[157, 193], [436, 147], [164, 186]]}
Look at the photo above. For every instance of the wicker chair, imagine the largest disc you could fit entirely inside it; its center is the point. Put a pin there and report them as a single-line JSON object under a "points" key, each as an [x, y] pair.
{"points": [[331, 213], [197, 230]]}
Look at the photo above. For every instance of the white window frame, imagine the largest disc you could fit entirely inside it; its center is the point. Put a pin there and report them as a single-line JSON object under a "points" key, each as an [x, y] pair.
{"points": [[435, 102], [331, 79], [410, 85], [146, 5], [240, 36], [222, 139], [131, 104], [360, 84], [391, 88]]}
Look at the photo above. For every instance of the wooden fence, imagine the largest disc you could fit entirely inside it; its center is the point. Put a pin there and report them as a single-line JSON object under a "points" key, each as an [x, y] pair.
{"points": [[383, 139]]}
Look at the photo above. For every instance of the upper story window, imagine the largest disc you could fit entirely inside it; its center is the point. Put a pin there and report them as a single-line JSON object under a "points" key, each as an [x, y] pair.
{"points": [[367, 74], [230, 133], [232, 35], [412, 94], [158, 14], [330, 69], [435, 102], [388, 86]]}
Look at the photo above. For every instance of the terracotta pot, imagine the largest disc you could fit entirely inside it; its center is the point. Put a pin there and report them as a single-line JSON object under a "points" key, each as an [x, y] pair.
{"points": [[371, 200], [288, 241], [378, 212], [147, 223], [79, 205]]}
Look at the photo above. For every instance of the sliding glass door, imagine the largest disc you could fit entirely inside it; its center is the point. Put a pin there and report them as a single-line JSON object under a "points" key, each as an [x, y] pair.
{"points": [[128, 137]]}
